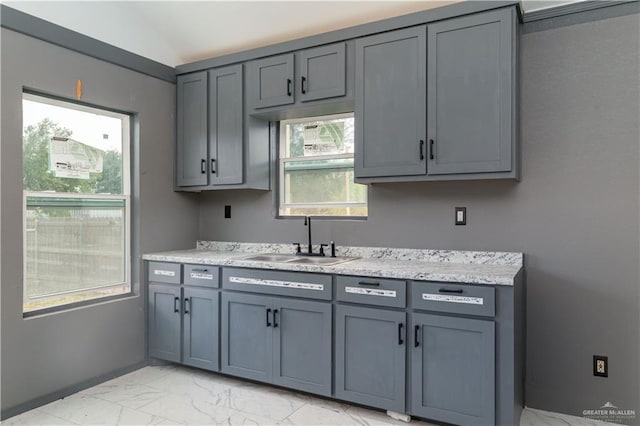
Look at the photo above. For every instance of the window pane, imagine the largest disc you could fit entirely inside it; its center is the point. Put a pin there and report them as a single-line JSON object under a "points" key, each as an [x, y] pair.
{"points": [[73, 244], [321, 182], [67, 150], [319, 137]]}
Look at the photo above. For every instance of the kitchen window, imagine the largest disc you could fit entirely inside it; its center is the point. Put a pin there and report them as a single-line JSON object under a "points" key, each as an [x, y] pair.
{"points": [[76, 203], [316, 175]]}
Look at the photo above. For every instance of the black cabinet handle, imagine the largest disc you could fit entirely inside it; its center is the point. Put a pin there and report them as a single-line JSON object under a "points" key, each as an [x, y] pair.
{"points": [[369, 284], [275, 318], [200, 270], [421, 149], [431, 156], [400, 326], [203, 166], [186, 306], [416, 333], [268, 312], [213, 166], [302, 84], [288, 87], [451, 290], [175, 304]]}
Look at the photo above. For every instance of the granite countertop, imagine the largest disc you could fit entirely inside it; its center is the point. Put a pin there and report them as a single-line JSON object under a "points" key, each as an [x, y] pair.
{"points": [[473, 267]]}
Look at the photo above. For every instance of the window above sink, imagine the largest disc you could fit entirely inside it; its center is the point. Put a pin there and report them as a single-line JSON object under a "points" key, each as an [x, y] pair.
{"points": [[316, 174]]}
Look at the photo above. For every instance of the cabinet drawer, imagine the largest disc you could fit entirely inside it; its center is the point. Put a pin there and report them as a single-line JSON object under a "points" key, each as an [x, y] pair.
{"points": [[162, 272], [202, 275], [453, 298], [298, 284], [371, 291]]}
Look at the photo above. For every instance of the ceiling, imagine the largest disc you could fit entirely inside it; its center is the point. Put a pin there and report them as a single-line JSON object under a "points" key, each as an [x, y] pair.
{"points": [[179, 32]]}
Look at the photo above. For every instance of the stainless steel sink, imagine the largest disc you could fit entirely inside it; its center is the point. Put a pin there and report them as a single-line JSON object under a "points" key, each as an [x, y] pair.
{"points": [[271, 257], [299, 260], [321, 260]]}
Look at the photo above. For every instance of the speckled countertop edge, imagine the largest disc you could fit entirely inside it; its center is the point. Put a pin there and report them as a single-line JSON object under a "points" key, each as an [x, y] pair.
{"points": [[490, 268]]}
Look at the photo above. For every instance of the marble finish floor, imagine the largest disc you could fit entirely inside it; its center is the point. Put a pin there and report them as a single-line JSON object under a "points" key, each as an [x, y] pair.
{"points": [[175, 395]]}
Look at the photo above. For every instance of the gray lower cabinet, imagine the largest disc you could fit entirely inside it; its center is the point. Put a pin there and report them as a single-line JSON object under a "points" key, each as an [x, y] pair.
{"points": [[164, 321], [183, 325], [277, 340], [200, 328], [370, 350], [471, 88], [391, 104], [453, 369]]}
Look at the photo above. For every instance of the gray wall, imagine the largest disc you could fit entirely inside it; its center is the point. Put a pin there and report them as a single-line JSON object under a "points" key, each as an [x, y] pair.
{"points": [[45, 355], [574, 214]]}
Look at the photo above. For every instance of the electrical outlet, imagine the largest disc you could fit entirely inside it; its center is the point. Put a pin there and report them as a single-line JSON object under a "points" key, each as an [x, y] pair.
{"points": [[600, 366], [461, 215], [227, 212]]}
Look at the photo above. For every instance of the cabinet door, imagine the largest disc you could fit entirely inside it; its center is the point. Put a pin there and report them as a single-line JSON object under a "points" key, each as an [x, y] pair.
{"points": [[370, 357], [390, 104], [453, 369], [470, 92], [164, 321], [270, 81], [246, 325], [225, 125], [302, 345], [322, 72], [200, 325], [191, 149]]}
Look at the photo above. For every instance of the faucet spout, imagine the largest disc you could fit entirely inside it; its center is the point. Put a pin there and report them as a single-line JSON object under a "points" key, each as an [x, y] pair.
{"points": [[307, 223]]}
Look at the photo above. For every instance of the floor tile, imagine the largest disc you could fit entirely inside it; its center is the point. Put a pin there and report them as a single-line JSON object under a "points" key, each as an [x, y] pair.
{"points": [[175, 395]]}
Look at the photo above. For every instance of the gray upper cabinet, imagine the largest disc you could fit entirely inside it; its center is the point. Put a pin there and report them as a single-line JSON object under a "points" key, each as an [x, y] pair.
{"points": [[390, 104], [270, 81], [322, 72], [370, 356], [226, 125], [218, 146], [453, 369], [191, 152], [470, 93]]}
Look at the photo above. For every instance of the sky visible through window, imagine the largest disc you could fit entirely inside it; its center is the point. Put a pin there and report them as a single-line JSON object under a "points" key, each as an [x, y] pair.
{"points": [[87, 127]]}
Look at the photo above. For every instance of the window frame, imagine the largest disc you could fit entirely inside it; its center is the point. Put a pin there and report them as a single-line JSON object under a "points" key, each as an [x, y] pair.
{"points": [[282, 161], [126, 196]]}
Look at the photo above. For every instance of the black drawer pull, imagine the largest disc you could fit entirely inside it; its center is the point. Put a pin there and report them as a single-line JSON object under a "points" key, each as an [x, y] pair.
{"points": [[268, 312], [421, 149], [213, 166], [275, 318], [369, 284], [203, 166], [400, 340], [288, 87], [175, 304], [186, 306], [451, 290], [302, 84], [416, 333], [199, 270]]}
